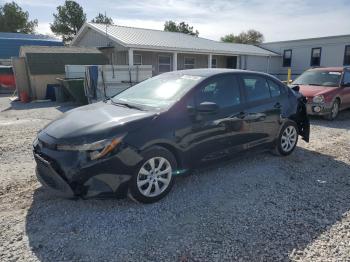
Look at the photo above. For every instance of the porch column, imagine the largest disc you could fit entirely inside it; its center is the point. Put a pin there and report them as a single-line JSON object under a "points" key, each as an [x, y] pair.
{"points": [[268, 64], [175, 61], [210, 58], [131, 57]]}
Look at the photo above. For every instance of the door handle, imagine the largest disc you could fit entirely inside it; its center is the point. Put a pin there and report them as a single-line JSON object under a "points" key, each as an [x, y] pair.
{"points": [[277, 105]]}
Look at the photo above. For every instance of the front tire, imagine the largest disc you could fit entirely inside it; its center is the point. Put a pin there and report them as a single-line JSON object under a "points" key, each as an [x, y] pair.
{"points": [[334, 111], [153, 178], [287, 139]]}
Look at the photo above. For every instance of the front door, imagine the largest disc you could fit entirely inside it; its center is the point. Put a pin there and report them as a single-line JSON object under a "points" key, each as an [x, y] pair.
{"points": [[211, 135], [231, 62], [345, 90]]}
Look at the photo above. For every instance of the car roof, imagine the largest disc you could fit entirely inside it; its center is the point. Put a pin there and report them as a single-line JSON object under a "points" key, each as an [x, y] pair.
{"points": [[334, 69], [208, 72]]}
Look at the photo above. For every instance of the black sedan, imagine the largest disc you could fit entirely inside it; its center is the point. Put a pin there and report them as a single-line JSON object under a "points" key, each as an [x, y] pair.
{"points": [[137, 141]]}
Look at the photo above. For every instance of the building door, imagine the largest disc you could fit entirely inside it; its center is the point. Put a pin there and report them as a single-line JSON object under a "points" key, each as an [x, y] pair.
{"points": [[231, 62]]}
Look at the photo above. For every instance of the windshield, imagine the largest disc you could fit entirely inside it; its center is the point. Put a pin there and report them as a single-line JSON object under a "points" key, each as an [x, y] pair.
{"points": [[158, 92], [319, 78]]}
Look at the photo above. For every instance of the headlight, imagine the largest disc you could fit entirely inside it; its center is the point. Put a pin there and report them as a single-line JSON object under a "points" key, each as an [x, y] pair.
{"points": [[99, 149], [318, 99], [85, 147], [35, 142]]}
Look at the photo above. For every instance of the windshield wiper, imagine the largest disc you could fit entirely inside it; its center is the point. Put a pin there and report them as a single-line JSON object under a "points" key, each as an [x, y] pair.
{"points": [[127, 105]]}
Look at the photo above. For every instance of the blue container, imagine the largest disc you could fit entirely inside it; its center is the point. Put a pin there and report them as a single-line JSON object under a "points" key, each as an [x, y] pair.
{"points": [[50, 92]]}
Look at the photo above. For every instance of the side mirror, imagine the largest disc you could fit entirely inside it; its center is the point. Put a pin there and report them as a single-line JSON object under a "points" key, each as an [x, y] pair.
{"points": [[296, 88], [345, 85], [207, 107]]}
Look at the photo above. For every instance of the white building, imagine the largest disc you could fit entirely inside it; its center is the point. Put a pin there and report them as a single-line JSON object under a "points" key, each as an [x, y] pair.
{"points": [[300, 55], [167, 51]]}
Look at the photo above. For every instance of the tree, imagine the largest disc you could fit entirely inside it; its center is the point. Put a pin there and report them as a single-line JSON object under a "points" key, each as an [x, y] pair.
{"points": [[13, 19], [171, 26], [252, 37], [69, 19], [102, 19]]}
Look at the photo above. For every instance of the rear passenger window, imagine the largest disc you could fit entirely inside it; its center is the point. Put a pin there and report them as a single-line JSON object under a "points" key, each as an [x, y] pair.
{"points": [[256, 88], [224, 91], [275, 90]]}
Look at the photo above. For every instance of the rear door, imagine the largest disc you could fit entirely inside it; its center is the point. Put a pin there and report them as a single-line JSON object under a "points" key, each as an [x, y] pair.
{"points": [[265, 100]]}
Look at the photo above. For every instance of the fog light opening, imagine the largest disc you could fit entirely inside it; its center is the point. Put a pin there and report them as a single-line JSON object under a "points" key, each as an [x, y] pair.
{"points": [[317, 109]]}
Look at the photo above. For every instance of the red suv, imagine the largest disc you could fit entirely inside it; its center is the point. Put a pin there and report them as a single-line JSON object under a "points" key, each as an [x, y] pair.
{"points": [[327, 90]]}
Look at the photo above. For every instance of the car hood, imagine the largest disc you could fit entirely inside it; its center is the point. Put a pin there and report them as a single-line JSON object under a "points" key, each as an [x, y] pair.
{"points": [[311, 90], [95, 122]]}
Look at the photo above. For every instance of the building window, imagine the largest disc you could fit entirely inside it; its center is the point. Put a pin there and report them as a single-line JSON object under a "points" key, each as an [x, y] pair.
{"points": [[164, 64], [214, 63], [137, 59], [347, 55], [189, 63], [315, 56], [287, 58]]}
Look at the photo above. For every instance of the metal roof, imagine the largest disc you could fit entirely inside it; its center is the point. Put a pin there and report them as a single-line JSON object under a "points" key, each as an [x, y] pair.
{"points": [[6, 35], [10, 43], [140, 38], [307, 39]]}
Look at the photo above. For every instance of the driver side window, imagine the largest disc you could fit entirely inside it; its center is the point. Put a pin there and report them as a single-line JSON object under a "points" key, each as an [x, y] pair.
{"points": [[223, 90], [346, 79]]}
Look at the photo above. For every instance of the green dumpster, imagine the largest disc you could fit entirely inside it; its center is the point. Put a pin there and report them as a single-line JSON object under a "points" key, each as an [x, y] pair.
{"points": [[75, 87]]}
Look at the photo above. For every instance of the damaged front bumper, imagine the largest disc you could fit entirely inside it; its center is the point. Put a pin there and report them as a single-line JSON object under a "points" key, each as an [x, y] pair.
{"points": [[69, 174], [318, 109], [302, 119], [49, 178]]}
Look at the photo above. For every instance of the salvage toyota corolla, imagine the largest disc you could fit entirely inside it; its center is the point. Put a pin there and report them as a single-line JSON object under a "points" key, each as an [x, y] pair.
{"points": [[137, 141]]}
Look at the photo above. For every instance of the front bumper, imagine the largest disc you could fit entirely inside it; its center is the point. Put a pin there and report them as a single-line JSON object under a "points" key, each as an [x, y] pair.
{"points": [[318, 109], [49, 178], [69, 174]]}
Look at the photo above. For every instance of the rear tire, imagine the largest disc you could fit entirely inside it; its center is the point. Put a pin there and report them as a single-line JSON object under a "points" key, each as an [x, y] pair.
{"points": [[334, 111], [287, 139], [153, 177]]}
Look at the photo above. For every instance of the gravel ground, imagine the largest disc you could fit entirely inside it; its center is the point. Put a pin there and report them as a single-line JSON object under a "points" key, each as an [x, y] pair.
{"points": [[256, 208]]}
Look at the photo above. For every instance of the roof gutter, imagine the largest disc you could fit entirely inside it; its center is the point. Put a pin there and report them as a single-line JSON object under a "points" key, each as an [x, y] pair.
{"points": [[197, 51]]}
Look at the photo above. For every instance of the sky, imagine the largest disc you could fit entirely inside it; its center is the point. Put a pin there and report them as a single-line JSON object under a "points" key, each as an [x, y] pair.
{"points": [[277, 20]]}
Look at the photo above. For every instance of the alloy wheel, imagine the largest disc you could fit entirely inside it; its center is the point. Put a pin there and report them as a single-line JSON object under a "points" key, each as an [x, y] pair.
{"points": [[289, 138], [154, 176]]}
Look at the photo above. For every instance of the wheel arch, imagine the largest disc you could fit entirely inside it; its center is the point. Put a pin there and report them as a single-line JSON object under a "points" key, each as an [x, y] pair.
{"points": [[339, 99], [172, 149]]}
